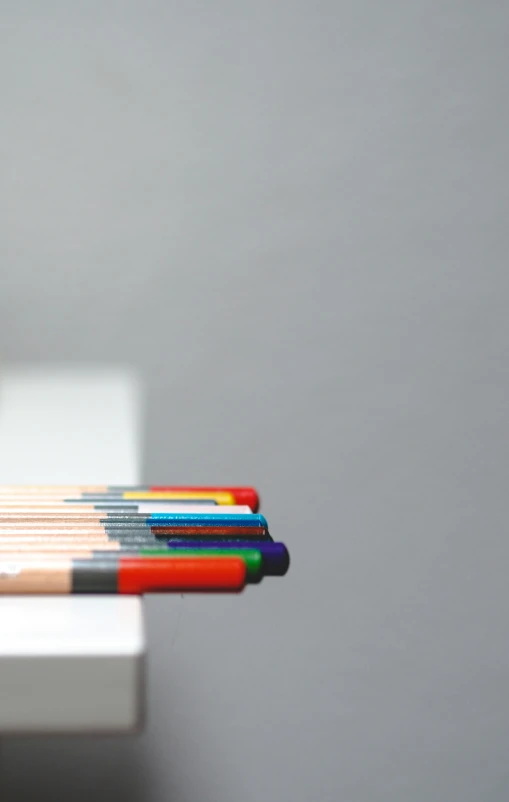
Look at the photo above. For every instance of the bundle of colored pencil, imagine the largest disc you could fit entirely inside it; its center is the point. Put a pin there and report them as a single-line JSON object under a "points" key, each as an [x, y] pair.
{"points": [[111, 539]]}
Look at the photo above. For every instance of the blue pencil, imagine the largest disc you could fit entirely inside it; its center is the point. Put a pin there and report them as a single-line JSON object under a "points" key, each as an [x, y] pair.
{"points": [[275, 556]]}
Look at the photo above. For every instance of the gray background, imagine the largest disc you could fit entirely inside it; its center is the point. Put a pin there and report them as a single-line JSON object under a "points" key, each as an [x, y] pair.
{"points": [[292, 218]]}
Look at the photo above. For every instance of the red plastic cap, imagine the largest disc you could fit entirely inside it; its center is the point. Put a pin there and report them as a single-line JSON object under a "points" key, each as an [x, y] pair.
{"points": [[180, 574], [247, 496]]}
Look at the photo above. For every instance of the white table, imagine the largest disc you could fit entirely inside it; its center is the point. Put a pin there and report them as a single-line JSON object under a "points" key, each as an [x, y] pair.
{"points": [[70, 664]]}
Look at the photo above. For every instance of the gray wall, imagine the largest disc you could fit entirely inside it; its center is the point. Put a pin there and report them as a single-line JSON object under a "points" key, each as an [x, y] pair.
{"points": [[293, 219]]}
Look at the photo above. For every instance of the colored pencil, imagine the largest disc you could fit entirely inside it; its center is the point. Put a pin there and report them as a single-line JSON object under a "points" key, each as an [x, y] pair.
{"points": [[275, 556], [193, 496], [156, 534], [142, 522], [253, 559], [125, 575], [29, 511], [155, 519], [242, 495], [152, 521], [126, 534], [211, 531]]}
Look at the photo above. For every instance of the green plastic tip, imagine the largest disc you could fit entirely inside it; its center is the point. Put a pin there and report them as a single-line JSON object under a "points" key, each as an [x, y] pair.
{"points": [[252, 557]]}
